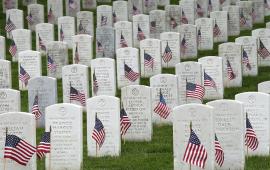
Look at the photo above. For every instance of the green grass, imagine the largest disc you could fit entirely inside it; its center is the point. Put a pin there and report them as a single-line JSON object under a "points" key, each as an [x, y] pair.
{"points": [[157, 154]]}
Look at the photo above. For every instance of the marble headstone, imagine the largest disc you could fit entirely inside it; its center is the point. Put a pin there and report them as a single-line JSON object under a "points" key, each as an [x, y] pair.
{"points": [[245, 20], [120, 11], [205, 33], [173, 15], [188, 11], [85, 23], [2, 48], [89, 4], [157, 25], [264, 87], [54, 10], [149, 5], [105, 39], [10, 100], [220, 29], [104, 16], [16, 19], [201, 8], [9, 4], [44, 34], [28, 2], [66, 29], [141, 29], [123, 34], [35, 15], [233, 19], [135, 7], [72, 7], [258, 7], [5, 74]]}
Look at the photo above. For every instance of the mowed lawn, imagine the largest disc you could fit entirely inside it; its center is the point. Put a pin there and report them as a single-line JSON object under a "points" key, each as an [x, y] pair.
{"points": [[157, 154]]}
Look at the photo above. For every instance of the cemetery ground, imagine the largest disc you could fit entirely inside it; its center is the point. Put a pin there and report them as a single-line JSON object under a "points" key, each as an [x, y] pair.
{"points": [[157, 154]]}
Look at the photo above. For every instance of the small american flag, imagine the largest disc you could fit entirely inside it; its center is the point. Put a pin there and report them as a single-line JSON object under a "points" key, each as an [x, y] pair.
{"points": [[173, 23], [9, 25], [35, 108], [253, 14], [251, 139], [183, 46], [75, 95], [194, 90], [62, 36], [221, 1], [140, 34], [13, 48], [24, 76], [148, 60], [199, 10], [266, 5], [95, 83], [219, 152], [103, 21], [230, 72], [81, 29], [30, 18], [135, 10], [98, 133], [114, 17], [18, 149], [76, 55], [153, 25], [195, 152], [99, 46], [246, 60], [167, 55], [199, 36], [262, 50], [51, 64], [130, 74], [41, 44], [123, 42], [243, 20], [184, 19], [216, 30], [208, 81], [161, 108], [50, 15], [44, 145], [125, 122], [72, 4], [210, 6]]}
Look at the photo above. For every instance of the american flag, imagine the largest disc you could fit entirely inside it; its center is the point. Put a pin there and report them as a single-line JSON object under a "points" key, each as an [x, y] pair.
{"points": [[210, 6], [216, 30], [208, 81], [99, 46], [140, 34], [35, 108], [153, 25], [246, 60], [13, 48], [183, 46], [81, 29], [230, 72], [194, 90], [44, 145], [199, 36], [125, 122], [51, 64], [62, 36], [253, 14], [148, 60], [95, 83], [184, 19], [251, 139], [50, 15], [173, 23], [103, 21], [266, 5], [262, 50], [161, 108], [72, 4], [219, 152], [195, 152], [30, 19], [123, 42], [9, 25], [135, 10], [18, 149], [243, 20], [98, 133], [114, 17], [41, 44], [76, 55], [23, 76], [167, 55], [221, 1], [75, 95], [130, 74], [199, 10]]}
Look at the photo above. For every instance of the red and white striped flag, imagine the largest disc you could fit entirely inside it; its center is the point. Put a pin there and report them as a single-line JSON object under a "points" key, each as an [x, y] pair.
{"points": [[251, 139], [75, 95], [219, 154], [35, 108], [167, 55], [161, 108], [194, 90], [230, 73], [13, 48], [130, 74], [125, 122], [30, 19], [10, 26], [262, 50], [216, 30]]}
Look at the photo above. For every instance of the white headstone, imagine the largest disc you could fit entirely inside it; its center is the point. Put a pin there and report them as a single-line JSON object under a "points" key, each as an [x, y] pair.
{"points": [[150, 52], [205, 33], [264, 87], [104, 16], [256, 106], [105, 39], [233, 19], [149, 5], [66, 29], [66, 123], [107, 110], [29, 66], [220, 29], [212, 70], [267, 7], [157, 23], [27, 2], [35, 15], [258, 7], [231, 54], [229, 127], [10, 100], [201, 8], [200, 119], [134, 8], [5, 74], [246, 21], [173, 15], [72, 7], [188, 9], [85, 23], [163, 86], [163, 2], [22, 125], [16, 20], [9, 4], [44, 34], [123, 34], [141, 28], [54, 10], [136, 101], [2, 48], [89, 4], [120, 11]]}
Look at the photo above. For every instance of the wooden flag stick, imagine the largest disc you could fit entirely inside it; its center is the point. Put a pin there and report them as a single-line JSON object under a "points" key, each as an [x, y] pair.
{"points": [[4, 151]]}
